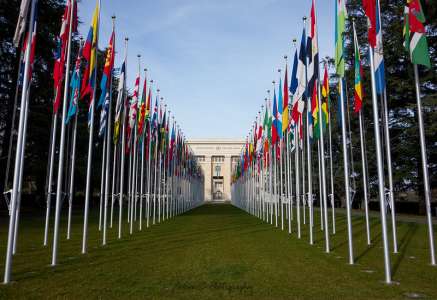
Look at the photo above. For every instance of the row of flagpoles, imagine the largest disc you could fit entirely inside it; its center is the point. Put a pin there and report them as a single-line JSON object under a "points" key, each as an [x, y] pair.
{"points": [[163, 177], [275, 171]]}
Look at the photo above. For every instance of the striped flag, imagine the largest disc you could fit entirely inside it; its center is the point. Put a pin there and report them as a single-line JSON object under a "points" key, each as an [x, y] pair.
{"points": [[120, 102], [358, 91], [133, 112], [104, 116], [279, 118], [22, 21], [300, 93]]}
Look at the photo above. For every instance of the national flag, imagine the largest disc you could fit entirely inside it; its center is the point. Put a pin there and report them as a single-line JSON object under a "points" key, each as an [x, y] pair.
{"points": [[378, 55], [133, 111], [313, 71], [60, 54], [340, 18], [369, 7], [358, 91], [90, 55], [75, 87], [22, 21], [31, 54], [107, 70], [299, 97], [285, 112], [275, 120], [142, 114], [415, 35], [280, 103], [104, 116], [326, 105], [120, 102]]}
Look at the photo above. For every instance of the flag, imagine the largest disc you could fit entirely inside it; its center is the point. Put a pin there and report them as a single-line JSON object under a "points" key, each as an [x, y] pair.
{"points": [[300, 93], [89, 53], [370, 11], [358, 91], [60, 54], [275, 120], [120, 102], [340, 18], [31, 54], [293, 88], [279, 117], [107, 70], [22, 21], [133, 111], [378, 55], [285, 102], [75, 87], [415, 34], [313, 71], [142, 114], [104, 116], [326, 105]]}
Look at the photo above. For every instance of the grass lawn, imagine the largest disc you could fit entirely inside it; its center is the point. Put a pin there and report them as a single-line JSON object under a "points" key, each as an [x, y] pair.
{"points": [[217, 252]]}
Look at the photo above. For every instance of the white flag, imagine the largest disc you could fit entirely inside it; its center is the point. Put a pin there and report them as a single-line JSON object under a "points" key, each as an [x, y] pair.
{"points": [[21, 23]]}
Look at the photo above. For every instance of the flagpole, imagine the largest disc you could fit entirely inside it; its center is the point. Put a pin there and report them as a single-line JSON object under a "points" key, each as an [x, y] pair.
{"points": [[88, 187], [49, 185], [102, 183], [72, 166], [108, 145], [149, 172], [297, 171], [380, 168], [142, 159], [322, 157], [365, 179], [62, 144], [122, 146], [424, 166]]}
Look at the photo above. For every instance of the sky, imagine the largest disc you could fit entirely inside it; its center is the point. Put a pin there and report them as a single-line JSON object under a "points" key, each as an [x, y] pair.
{"points": [[213, 60]]}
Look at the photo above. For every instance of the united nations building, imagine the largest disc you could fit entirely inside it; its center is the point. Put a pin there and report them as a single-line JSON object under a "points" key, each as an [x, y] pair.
{"points": [[218, 159]]}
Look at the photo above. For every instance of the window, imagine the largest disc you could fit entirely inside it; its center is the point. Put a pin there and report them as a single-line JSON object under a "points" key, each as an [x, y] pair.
{"points": [[218, 158], [201, 158]]}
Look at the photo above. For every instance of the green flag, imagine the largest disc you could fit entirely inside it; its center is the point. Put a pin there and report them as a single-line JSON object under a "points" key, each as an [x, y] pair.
{"points": [[340, 18]]}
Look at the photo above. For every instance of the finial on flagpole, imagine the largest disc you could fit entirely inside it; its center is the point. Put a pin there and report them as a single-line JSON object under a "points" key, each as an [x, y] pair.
{"points": [[279, 70], [304, 18], [126, 39]]}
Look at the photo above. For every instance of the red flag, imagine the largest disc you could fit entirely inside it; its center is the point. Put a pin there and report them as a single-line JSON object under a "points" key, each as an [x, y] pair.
{"points": [[369, 7]]}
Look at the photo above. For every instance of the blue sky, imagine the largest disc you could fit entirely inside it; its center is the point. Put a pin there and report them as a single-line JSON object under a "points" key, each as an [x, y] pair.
{"points": [[213, 60]]}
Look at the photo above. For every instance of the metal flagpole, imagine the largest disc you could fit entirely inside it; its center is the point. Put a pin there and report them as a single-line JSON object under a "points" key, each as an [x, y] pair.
{"points": [[108, 147], [424, 166], [72, 165], [62, 145], [331, 169], [134, 160], [389, 170], [322, 162], [320, 188], [346, 172], [20, 145], [114, 175], [296, 163], [149, 159], [142, 162], [365, 179], [49, 185], [17, 213], [88, 188], [129, 182], [380, 166], [308, 152], [102, 184]]}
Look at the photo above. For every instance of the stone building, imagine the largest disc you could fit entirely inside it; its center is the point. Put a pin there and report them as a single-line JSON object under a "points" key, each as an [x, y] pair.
{"points": [[218, 158]]}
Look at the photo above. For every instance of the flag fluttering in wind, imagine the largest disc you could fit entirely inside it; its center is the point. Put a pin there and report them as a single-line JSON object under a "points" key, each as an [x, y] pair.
{"points": [[415, 35], [61, 51], [105, 84], [133, 112], [120, 102], [313, 73], [280, 101], [340, 18], [75, 88], [90, 54], [358, 90], [326, 105], [299, 97], [142, 113], [22, 21], [275, 120]]}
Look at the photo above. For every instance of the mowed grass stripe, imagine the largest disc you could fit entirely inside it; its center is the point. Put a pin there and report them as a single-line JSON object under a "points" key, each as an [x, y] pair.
{"points": [[217, 251]]}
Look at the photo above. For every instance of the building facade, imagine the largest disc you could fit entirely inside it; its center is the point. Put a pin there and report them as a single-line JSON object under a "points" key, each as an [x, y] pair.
{"points": [[218, 159]]}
